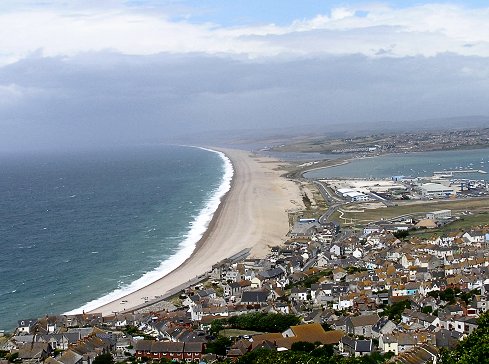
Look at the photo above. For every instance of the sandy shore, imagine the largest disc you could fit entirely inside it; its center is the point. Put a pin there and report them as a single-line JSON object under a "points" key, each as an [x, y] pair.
{"points": [[252, 215]]}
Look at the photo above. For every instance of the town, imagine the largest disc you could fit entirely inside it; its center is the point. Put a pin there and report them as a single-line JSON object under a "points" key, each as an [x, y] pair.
{"points": [[398, 290], [389, 142]]}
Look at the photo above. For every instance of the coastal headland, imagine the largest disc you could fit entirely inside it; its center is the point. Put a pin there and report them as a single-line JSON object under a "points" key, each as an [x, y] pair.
{"points": [[253, 215]]}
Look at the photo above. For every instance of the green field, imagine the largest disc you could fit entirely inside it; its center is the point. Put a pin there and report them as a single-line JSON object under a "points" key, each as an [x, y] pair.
{"points": [[237, 333], [475, 206], [465, 223]]}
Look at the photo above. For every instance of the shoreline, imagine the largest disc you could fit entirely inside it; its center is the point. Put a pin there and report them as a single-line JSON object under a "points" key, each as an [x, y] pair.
{"points": [[224, 238], [344, 161], [198, 228]]}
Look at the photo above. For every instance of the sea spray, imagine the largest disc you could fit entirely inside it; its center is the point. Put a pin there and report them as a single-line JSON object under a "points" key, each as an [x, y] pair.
{"points": [[197, 229]]}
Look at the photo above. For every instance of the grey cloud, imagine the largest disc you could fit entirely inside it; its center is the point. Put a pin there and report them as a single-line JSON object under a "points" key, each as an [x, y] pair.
{"points": [[105, 98]]}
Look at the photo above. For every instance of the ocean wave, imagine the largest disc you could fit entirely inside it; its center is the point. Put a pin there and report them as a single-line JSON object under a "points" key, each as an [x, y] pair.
{"points": [[197, 229]]}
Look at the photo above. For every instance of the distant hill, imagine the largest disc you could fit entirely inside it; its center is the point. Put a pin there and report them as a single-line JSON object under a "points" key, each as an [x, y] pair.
{"points": [[261, 137]]}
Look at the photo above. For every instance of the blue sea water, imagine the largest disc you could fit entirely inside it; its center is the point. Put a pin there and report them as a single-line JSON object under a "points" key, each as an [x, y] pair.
{"points": [[81, 226], [412, 164]]}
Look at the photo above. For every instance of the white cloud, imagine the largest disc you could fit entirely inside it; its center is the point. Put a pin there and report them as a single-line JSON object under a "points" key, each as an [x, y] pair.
{"points": [[371, 30]]}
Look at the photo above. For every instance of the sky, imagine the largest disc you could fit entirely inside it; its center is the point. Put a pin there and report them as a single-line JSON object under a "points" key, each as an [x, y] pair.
{"points": [[90, 73]]}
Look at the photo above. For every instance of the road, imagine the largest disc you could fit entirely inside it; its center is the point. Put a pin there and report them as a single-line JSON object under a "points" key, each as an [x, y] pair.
{"points": [[332, 201]]}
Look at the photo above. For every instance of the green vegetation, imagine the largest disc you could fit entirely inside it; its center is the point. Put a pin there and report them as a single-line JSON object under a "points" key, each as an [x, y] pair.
{"points": [[306, 201], [218, 346], [217, 326], [353, 269], [474, 348], [256, 321], [134, 331], [314, 349], [395, 310], [310, 280], [104, 359], [447, 295], [13, 358], [465, 223], [304, 346], [469, 221], [266, 322], [476, 205], [451, 294], [402, 234], [316, 356], [236, 332]]}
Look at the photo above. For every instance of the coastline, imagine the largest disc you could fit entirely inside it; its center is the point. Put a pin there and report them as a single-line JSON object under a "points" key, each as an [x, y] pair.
{"points": [[190, 242], [251, 215], [428, 154]]}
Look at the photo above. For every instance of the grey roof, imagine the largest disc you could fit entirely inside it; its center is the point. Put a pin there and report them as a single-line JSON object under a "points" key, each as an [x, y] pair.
{"points": [[380, 324], [27, 322], [166, 347], [254, 296], [298, 290], [348, 341], [71, 337], [363, 346], [193, 347], [34, 350], [70, 357], [271, 273], [364, 320], [143, 345], [446, 338]]}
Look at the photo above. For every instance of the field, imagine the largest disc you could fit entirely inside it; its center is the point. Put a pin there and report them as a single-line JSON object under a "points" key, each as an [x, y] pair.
{"points": [[355, 217], [465, 223], [237, 333]]}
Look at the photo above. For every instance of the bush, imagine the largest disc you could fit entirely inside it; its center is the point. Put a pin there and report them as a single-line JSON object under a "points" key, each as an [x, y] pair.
{"points": [[218, 346], [265, 322], [104, 359], [303, 346]]}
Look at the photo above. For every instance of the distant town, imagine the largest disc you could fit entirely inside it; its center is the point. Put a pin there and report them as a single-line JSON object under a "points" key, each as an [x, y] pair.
{"points": [[399, 142], [374, 271]]}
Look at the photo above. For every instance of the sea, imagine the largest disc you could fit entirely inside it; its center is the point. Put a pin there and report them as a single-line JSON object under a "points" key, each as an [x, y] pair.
{"points": [[419, 164], [79, 229]]}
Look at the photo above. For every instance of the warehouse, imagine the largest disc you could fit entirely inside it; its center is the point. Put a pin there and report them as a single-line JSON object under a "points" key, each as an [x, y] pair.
{"points": [[439, 215], [436, 190]]}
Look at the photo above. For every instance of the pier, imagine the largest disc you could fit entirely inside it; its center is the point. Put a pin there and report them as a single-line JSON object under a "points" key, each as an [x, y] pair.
{"points": [[451, 173]]}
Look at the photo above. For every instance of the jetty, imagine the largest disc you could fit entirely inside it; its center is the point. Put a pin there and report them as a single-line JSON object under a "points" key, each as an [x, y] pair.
{"points": [[451, 173]]}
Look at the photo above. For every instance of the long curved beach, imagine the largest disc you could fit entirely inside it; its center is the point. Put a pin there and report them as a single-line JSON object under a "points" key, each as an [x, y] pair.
{"points": [[251, 215]]}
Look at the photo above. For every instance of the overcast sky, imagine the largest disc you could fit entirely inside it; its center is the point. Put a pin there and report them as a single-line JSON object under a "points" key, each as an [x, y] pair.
{"points": [[82, 73]]}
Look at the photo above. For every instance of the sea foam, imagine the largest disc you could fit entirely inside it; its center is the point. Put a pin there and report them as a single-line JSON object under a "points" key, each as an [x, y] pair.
{"points": [[196, 230]]}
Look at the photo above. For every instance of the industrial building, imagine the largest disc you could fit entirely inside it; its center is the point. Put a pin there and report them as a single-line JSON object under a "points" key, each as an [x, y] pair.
{"points": [[439, 215], [436, 190], [352, 195]]}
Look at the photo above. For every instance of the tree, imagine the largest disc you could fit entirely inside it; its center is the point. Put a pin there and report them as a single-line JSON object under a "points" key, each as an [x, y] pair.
{"points": [[395, 310], [216, 326], [303, 346], [13, 358], [326, 351], [449, 295], [474, 348], [401, 234], [265, 322], [219, 345], [300, 357], [104, 359]]}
